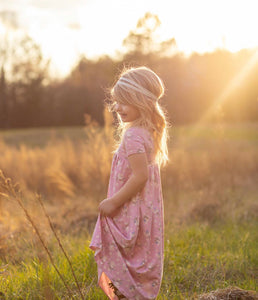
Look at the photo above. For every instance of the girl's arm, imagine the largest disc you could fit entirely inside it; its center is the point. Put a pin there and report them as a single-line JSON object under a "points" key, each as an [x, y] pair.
{"points": [[139, 165]]}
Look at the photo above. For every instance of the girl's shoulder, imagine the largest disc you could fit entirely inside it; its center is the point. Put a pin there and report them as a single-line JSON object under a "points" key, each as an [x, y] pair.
{"points": [[137, 131], [137, 140]]}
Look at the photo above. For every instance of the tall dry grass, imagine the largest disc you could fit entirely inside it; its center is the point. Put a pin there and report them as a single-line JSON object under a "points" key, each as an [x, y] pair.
{"points": [[213, 178], [66, 169], [210, 177], [71, 177], [11, 191], [63, 168]]}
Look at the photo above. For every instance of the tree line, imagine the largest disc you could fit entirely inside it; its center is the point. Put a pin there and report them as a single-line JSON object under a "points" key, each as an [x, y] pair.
{"points": [[223, 82]]}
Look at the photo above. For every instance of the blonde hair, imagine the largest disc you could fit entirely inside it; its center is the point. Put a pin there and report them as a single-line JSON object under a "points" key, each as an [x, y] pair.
{"points": [[143, 88]]}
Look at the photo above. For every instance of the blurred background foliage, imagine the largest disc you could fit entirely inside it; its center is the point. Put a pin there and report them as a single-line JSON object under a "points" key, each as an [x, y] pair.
{"points": [[30, 97]]}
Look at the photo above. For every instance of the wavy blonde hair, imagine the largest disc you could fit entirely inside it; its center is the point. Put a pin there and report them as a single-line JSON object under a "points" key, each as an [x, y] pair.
{"points": [[143, 88]]}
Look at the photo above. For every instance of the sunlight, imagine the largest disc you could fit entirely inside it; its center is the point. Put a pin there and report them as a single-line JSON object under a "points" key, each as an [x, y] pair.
{"points": [[2, 29], [64, 53], [197, 26], [235, 82], [204, 26]]}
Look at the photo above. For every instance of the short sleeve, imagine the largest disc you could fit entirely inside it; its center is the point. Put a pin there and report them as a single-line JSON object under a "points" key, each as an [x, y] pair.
{"points": [[134, 141]]}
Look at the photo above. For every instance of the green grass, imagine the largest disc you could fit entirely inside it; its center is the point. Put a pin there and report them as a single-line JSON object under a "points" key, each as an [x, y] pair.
{"points": [[40, 137], [201, 258], [198, 258]]}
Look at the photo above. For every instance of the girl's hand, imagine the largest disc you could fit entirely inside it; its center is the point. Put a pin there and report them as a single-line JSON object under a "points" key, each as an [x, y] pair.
{"points": [[108, 207]]}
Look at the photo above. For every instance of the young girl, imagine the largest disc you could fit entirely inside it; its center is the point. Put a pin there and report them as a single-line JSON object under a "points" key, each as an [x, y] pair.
{"points": [[128, 237]]}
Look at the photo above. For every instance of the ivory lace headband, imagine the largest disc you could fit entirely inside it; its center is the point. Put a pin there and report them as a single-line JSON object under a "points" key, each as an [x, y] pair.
{"points": [[136, 87]]}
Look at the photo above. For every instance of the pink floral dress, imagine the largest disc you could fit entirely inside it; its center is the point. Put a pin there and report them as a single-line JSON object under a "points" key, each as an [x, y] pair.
{"points": [[129, 247]]}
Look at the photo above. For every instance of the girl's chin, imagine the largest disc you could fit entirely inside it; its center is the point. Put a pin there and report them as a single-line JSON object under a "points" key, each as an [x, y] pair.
{"points": [[124, 119]]}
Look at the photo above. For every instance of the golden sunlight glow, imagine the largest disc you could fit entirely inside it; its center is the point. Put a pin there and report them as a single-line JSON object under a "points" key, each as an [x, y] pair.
{"points": [[2, 29], [100, 26], [204, 26], [234, 83], [63, 53]]}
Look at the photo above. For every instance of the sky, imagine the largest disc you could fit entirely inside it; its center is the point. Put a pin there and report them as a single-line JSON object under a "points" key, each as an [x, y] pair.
{"points": [[66, 29]]}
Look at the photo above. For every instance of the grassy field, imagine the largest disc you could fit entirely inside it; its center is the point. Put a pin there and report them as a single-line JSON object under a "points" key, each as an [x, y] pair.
{"points": [[210, 197]]}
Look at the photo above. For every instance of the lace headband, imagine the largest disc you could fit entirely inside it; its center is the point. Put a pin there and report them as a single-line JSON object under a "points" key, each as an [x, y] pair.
{"points": [[136, 87]]}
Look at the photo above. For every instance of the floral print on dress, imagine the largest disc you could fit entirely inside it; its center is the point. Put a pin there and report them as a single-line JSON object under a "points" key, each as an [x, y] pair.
{"points": [[129, 247]]}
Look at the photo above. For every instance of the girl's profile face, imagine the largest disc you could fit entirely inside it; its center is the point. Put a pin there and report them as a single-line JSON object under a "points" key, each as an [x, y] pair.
{"points": [[127, 112]]}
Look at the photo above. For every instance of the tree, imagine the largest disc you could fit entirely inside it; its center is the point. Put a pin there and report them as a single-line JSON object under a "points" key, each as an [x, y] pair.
{"points": [[143, 41], [3, 100], [24, 72], [83, 91], [29, 75], [9, 19]]}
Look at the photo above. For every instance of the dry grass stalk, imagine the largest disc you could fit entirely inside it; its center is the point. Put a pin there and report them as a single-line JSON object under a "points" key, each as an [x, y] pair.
{"points": [[230, 293], [11, 191], [60, 244]]}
